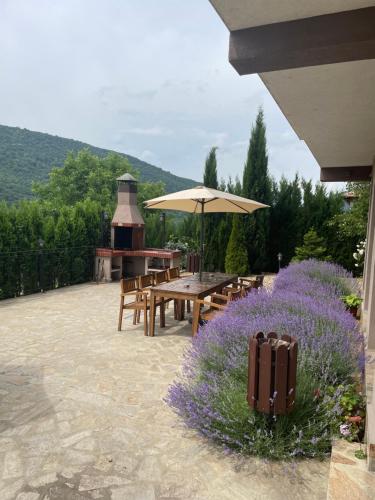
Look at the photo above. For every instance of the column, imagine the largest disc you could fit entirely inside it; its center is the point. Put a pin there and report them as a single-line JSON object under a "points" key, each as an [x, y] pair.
{"points": [[368, 269]]}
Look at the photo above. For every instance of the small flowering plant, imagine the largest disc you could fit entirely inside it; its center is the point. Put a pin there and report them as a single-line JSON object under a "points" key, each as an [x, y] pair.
{"points": [[350, 409], [359, 255]]}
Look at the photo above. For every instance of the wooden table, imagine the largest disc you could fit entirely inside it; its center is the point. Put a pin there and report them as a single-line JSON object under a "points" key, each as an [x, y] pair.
{"points": [[189, 288]]}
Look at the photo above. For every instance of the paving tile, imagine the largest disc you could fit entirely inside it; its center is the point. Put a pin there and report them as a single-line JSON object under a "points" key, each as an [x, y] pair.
{"points": [[82, 412]]}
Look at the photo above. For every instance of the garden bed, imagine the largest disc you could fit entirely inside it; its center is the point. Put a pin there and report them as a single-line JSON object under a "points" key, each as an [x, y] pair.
{"points": [[305, 303]]}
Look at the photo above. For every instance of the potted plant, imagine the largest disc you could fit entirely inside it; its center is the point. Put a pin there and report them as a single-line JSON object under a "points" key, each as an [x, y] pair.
{"points": [[352, 303]]}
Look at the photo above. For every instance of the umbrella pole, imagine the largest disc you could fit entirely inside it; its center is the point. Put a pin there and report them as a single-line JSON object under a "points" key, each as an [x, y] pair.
{"points": [[201, 263]]}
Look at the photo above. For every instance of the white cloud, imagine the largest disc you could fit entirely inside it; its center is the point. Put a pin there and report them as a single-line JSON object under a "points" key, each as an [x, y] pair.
{"points": [[153, 131], [147, 77]]}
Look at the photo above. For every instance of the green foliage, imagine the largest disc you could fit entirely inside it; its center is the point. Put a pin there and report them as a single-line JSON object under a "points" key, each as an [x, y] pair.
{"points": [[360, 454], [42, 247], [83, 176], [313, 248], [351, 411], [257, 186], [210, 170], [184, 244], [27, 156], [211, 221], [348, 228], [273, 436], [236, 261], [50, 242], [286, 220], [352, 300]]}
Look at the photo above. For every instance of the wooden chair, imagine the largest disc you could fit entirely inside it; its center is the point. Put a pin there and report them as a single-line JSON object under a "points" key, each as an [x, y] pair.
{"points": [[173, 273], [216, 306], [130, 288], [246, 289], [259, 279], [161, 277], [145, 282], [254, 283]]}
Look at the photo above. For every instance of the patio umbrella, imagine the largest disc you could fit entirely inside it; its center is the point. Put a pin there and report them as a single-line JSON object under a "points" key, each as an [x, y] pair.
{"points": [[201, 200]]}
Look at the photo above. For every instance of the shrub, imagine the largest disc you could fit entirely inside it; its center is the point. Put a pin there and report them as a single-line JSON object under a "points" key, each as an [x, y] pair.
{"points": [[236, 259], [211, 394], [313, 247]]}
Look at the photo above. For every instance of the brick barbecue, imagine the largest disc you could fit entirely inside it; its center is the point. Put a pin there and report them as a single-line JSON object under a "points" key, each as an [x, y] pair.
{"points": [[127, 256]]}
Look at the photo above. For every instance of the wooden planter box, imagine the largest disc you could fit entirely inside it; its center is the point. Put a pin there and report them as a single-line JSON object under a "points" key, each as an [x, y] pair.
{"points": [[192, 262], [272, 373]]}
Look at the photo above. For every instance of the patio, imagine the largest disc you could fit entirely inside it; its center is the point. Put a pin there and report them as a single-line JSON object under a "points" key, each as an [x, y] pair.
{"points": [[82, 412]]}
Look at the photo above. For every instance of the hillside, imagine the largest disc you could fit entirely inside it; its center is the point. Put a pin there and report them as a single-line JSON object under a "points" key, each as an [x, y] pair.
{"points": [[27, 156]]}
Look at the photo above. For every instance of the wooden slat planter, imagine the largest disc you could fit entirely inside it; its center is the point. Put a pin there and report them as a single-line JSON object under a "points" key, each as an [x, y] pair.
{"points": [[192, 262], [272, 373]]}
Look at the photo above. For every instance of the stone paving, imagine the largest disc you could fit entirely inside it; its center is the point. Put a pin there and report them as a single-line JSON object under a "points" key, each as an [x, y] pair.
{"points": [[82, 413]]}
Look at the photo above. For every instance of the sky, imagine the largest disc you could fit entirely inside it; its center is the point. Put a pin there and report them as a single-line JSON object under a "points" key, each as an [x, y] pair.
{"points": [[150, 78]]}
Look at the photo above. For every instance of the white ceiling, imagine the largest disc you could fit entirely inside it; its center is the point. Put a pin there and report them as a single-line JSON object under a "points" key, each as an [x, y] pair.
{"points": [[239, 14], [332, 108]]}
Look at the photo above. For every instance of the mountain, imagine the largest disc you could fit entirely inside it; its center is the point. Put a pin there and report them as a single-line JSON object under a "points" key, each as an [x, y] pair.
{"points": [[27, 156]]}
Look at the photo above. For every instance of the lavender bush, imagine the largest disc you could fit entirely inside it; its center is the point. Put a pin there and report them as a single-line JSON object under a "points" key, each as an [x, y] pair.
{"points": [[211, 393]]}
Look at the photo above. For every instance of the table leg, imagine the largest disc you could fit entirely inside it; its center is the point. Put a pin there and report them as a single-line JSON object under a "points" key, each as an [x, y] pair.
{"points": [[195, 323], [162, 313], [152, 313], [180, 309]]}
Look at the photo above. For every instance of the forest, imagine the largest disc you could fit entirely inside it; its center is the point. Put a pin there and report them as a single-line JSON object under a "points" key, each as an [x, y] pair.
{"points": [[27, 156], [49, 241]]}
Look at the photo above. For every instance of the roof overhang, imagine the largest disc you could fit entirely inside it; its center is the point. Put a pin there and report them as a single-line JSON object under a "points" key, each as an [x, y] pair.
{"points": [[317, 59]]}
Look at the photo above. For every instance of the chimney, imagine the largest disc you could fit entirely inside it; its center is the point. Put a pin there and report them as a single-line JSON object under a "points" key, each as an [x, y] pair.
{"points": [[127, 227]]}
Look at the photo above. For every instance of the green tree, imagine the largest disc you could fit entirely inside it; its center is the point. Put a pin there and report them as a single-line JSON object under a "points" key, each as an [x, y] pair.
{"points": [[347, 228], [210, 170], [84, 176], [313, 247], [236, 261], [9, 276], [211, 221], [257, 186], [286, 227]]}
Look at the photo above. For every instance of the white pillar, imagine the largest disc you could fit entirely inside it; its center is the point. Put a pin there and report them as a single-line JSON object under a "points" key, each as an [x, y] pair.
{"points": [[368, 277]]}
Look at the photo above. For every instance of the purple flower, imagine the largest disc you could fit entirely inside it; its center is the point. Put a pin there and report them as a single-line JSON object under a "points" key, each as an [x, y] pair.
{"points": [[304, 303], [345, 430]]}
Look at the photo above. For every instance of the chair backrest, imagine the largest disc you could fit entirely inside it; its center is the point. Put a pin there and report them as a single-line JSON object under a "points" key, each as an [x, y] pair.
{"points": [[129, 285], [246, 289], [235, 295], [161, 277], [229, 289], [146, 281], [260, 278], [173, 273]]}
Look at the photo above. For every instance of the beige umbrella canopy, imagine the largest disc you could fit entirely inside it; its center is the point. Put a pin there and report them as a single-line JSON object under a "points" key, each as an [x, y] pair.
{"points": [[200, 200]]}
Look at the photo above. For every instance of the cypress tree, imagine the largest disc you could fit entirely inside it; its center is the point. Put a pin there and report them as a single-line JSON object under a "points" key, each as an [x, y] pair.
{"points": [[9, 269], [285, 221], [211, 221], [236, 261], [257, 186], [210, 170]]}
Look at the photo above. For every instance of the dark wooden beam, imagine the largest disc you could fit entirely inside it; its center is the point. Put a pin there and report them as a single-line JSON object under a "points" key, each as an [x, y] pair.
{"points": [[331, 38], [346, 174]]}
